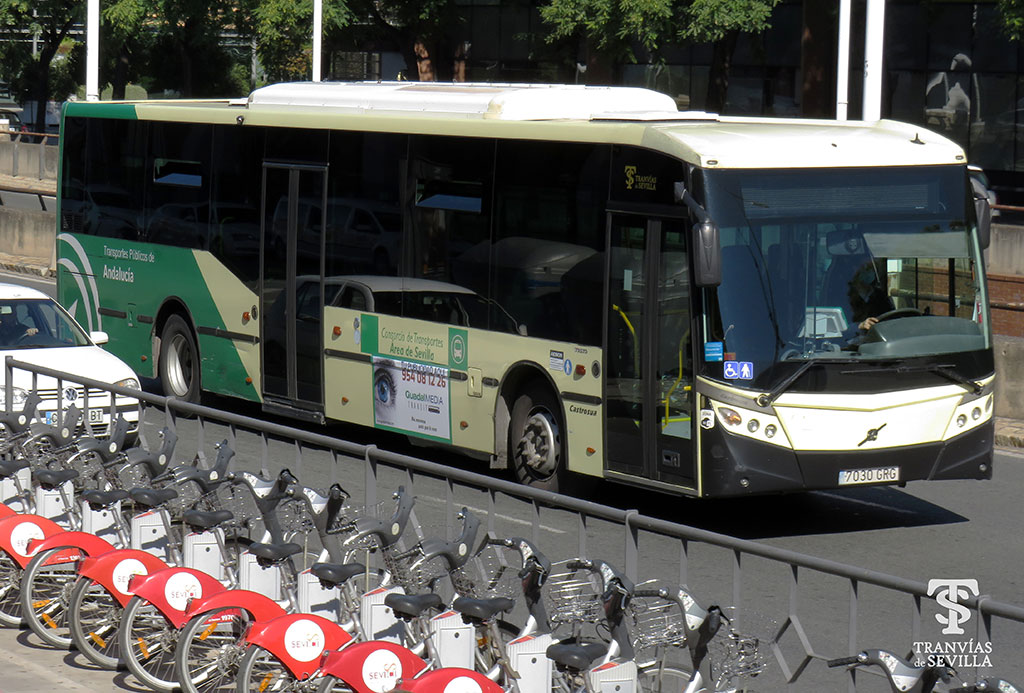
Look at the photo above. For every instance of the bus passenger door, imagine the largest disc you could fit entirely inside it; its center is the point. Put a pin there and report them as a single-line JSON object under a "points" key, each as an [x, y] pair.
{"points": [[648, 362], [291, 295]]}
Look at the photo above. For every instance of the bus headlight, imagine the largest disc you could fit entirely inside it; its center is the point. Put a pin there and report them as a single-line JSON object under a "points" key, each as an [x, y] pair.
{"points": [[730, 416], [769, 431], [130, 383], [753, 425], [961, 420]]}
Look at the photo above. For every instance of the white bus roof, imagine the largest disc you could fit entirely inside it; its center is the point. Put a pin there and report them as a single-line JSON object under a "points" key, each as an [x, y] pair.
{"points": [[490, 101], [572, 113]]}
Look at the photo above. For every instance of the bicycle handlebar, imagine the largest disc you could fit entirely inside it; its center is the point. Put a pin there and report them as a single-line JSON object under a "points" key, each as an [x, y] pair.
{"points": [[844, 661], [388, 531], [988, 684]]}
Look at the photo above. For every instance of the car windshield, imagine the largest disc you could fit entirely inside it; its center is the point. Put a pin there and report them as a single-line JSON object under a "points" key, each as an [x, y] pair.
{"points": [[844, 264], [35, 323]]}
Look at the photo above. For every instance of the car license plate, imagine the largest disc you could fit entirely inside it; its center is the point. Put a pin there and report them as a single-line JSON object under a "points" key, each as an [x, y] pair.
{"points": [[95, 416], [873, 475]]}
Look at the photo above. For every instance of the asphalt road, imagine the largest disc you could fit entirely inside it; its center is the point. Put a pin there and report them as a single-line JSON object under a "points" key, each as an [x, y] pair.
{"points": [[924, 531]]}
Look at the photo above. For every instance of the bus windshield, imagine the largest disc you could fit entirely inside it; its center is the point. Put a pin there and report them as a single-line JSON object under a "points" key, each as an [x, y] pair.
{"points": [[843, 264]]}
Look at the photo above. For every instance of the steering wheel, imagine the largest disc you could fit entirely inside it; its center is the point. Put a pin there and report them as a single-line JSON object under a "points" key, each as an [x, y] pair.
{"points": [[899, 313], [24, 338]]}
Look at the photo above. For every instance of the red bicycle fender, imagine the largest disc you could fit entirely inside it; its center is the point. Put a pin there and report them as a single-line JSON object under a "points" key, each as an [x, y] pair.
{"points": [[114, 570], [260, 606], [299, 641], [372, 667], [18, 530], [170, 590], [5, 511], [85, 543], [451, 680]]}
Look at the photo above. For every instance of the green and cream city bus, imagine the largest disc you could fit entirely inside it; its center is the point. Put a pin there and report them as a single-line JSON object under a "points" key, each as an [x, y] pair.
{"points": [[557, 278]]}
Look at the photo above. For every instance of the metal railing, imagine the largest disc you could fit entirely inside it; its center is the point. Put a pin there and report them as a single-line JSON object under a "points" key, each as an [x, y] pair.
{"points": [[819, 608]]}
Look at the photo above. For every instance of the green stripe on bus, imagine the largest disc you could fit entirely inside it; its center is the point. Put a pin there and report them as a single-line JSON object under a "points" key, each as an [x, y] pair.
{"points": [[98, 109]]}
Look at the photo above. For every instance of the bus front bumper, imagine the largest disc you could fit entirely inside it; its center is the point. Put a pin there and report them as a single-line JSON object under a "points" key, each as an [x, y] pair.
{"points": [[738, 466]]}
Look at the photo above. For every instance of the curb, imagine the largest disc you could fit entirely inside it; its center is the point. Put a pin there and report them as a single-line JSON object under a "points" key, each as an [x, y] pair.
{"points": [[1009, 440], [22, 268]]}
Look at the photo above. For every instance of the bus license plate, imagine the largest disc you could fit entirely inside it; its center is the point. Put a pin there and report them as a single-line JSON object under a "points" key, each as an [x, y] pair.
{"points": [[874, 475]]}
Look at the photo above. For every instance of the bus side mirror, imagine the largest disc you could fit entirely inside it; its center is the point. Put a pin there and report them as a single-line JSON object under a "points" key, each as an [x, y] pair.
{"points": [[984, 213], [707, 254]]}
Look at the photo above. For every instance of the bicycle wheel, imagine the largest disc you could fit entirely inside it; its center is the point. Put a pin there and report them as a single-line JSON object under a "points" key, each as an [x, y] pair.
{"points": [[46, 595], [146, 640], [664, 680], [94, 616], [208, 652], [10, 591], [260, 671]]}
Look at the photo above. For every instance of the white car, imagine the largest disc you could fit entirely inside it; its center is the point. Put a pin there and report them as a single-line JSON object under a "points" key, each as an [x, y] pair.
{"points": [[36, 329]]}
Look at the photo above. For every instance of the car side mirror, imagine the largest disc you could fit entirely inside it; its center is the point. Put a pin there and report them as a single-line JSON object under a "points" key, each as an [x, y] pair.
{"points": [[99, 337], [707, 254], [984, 213]]}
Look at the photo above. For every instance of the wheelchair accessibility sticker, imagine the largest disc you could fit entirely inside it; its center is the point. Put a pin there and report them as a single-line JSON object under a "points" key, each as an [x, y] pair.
{"points": [[738, 370]]}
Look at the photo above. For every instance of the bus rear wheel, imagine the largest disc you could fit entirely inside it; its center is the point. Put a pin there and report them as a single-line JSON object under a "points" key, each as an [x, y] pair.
{"points": [[536, 448], [179, 361]]}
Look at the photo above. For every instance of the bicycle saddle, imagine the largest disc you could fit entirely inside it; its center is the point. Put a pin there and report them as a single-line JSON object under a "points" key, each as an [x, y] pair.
{"points": [[482, 609], [273, 553], [578, 656], [12, 467], [103, 499], [152, 497], [207, 519], [52, 478], [409, 606], [334, 574]]}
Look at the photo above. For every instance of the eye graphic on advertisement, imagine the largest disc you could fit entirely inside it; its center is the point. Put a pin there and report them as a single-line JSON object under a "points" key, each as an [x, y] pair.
{"points": [[384, 388]]}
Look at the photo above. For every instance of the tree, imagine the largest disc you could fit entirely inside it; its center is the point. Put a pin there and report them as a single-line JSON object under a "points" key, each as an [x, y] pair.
{"points": [[1012, 12], [127, 34], [721, 22], [606, 30], [49, 21], [612, 27], [283, 32], [428, 33]]}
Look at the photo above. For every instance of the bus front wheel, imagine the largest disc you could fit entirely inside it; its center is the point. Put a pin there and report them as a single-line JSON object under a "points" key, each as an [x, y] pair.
{"points": [[179, 361], [536, 449]]}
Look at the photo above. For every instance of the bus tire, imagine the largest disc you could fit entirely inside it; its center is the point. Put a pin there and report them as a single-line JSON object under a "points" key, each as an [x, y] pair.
{"points": [[536, 449], [179, 361]]}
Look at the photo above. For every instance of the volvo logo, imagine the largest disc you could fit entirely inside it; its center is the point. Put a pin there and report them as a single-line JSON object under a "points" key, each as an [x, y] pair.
{"points": [[70, 394], [872, 435]]}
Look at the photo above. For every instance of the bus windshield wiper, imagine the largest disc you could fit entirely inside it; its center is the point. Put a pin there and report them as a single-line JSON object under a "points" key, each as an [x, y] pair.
{"points": [[943, 369], [764, 400]]}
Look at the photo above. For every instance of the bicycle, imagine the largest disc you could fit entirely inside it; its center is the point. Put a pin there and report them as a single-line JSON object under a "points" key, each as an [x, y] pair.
{"points": [[209, 645], [903, 675], [667, 620], [102, 589], [153, 622], [49, 577]]}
